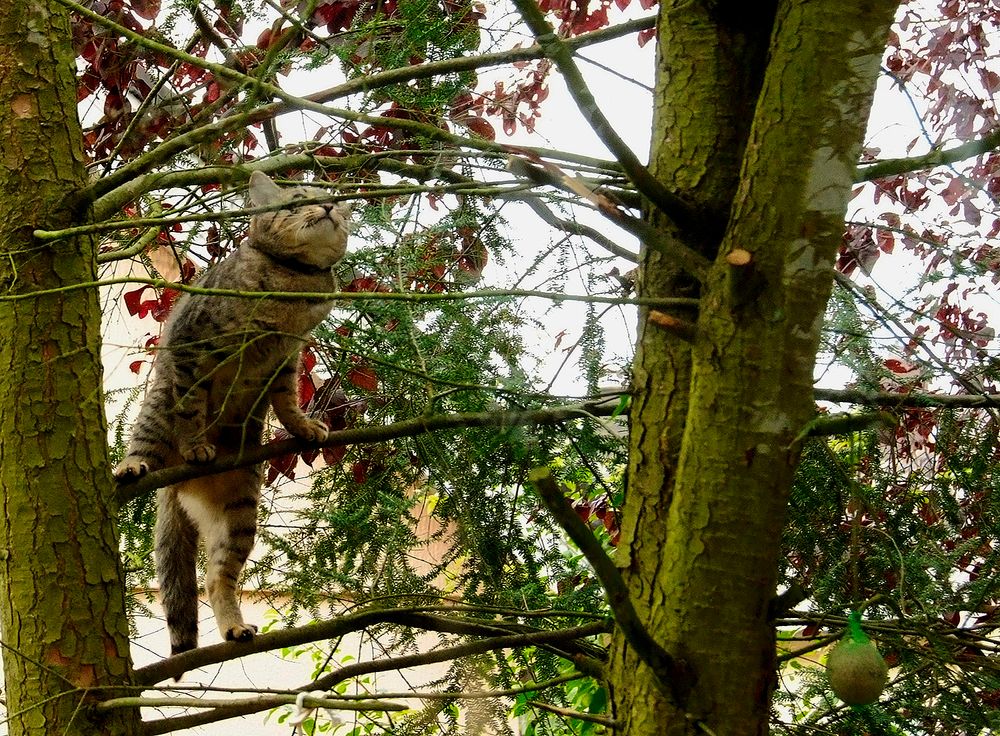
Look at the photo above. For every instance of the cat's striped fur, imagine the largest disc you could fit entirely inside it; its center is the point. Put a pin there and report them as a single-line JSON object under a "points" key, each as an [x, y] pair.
{"points": [[222, 361]]}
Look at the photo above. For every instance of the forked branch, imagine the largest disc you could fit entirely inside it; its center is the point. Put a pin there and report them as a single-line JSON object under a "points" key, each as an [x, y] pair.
{"points": [[561, 54]]}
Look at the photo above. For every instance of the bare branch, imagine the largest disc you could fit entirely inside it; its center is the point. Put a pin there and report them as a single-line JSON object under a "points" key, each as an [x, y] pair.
{"points": [[825, 425], [356, 296], [660, 239], [670, 673], [908, 400], [576, 228], [105, 192], [348, 623], [138, 247], [537, 638], [470, 63], [937, 157], [525, 687]]}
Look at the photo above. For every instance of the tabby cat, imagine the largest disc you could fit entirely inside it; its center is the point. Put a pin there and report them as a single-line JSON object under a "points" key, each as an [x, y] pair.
{"points": [[221, 362]]}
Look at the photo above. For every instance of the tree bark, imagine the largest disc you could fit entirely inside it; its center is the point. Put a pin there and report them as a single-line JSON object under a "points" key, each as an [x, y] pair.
{"points": [[62, 607], [716, 425]]}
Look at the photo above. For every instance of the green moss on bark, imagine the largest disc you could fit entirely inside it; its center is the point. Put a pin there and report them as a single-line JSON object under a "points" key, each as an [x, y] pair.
{"points": [[61, 589], [714, 424]]}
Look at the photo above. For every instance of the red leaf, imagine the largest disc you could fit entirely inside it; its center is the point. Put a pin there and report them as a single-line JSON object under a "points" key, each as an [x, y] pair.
{"points": [[360, 472], [135, 366], [481, 128], [363, 377], [213, 92], [160, 309], [114, 105], [622, 4], [133, 300], [333, 455], [366, 283], [307, 389], [308, 361], [147, 9], [886, 240], [990, 79], [282, 465], [87, 84], [954, 191], [645, 35]]}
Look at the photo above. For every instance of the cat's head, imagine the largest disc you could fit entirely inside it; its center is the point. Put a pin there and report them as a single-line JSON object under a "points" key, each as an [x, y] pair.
{"points": [[311, 234]]}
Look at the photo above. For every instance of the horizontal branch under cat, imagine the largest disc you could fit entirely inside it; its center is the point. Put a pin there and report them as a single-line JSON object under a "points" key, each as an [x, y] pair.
{"points": [[367, 435]]}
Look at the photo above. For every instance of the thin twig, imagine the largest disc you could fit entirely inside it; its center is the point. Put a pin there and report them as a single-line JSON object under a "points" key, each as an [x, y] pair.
{"points": [[356, 296], [662, 239], [566, 712], [908, 399], [138, 247], [106, 188], [263, 701]]}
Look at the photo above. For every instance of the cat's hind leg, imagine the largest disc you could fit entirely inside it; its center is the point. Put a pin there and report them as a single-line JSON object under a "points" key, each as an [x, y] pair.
{"points": [[224, 506]]}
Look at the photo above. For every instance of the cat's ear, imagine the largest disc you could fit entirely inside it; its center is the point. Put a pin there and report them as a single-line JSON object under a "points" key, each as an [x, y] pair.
{"points": [[263, 191]]}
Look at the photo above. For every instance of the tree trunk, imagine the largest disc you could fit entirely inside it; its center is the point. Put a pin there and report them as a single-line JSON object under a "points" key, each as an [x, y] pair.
{"points": [[716, 424], [62, 609]]}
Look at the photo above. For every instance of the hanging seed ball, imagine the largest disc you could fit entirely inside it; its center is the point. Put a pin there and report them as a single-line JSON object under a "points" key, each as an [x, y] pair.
{"points": [[857, 672]]}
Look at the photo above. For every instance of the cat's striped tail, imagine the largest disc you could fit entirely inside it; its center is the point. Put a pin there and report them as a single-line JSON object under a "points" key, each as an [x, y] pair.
{"points": [[176, 553]]}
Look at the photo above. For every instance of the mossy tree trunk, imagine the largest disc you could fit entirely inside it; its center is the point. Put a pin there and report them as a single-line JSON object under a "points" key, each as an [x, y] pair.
{"points": [[62, 608], [764, 145]]}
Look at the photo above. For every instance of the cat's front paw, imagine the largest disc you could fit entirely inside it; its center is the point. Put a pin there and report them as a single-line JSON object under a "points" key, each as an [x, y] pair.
{"points": [[131, 467], [310, 430], [198, 452], [241, 632]]}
